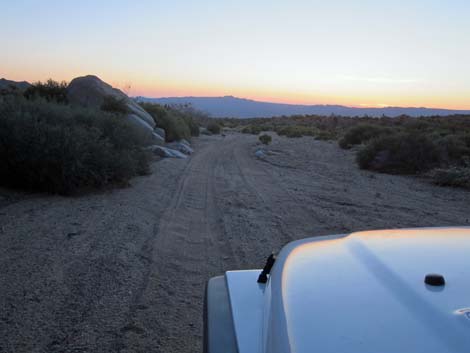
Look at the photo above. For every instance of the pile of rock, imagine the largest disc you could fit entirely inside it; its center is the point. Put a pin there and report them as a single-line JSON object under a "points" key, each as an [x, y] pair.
{"points": [[90, 91], [8, 86]]}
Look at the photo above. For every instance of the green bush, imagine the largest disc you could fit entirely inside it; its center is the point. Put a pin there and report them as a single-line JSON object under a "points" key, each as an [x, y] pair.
{"points": [[214, 128], [453, 149], [246, 130], [325, 135], [178, 122], [51, 91], [297, 131], [114, 105], [362, 133], [175, 127], [266, 139], [402, 153], [254, 129], [457, 176], [193, 127], [46, 146]]}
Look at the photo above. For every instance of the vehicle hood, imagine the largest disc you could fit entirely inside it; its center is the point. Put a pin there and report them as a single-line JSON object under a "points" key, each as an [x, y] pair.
{"points": [[365, 292]]}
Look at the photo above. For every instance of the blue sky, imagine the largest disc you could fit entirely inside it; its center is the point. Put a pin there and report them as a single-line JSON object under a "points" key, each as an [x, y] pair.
{"points": [[374, 53]]}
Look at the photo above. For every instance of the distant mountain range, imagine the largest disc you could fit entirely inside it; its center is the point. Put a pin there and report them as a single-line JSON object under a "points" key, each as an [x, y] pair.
{"points": [[234, 107]]}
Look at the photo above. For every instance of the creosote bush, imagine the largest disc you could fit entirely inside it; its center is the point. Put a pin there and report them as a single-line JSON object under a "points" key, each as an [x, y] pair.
{"points": [[404, 144], [457, 176], [255, 129], [46, 146], [361, 134], [265, 139], [297, 131], [401, 153], [214, 128], [177, 121], [51, 91], [114, 105]]}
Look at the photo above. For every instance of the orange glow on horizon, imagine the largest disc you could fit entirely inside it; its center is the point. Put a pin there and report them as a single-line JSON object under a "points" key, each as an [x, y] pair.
{"points": [[156, 87], [452, 103]]}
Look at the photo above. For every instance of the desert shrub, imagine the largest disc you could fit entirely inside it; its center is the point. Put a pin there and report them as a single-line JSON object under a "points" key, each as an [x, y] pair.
{"points": [[157, 111], [11, 90], [189, 115], [193, 127], [46, 146], [214, 128], [362, 133], [255, 129], [247, 130], [51, 91], [452, 149], [402, 153], [265, 139], [325, 135], [114, 105], [457, 176], [297, 131], [177, 121], [175, 127]]}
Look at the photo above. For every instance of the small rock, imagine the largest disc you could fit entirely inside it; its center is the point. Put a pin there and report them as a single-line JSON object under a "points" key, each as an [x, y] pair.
{"points": [[182, 147], [166, 152], [72, 234], [259, 153]]}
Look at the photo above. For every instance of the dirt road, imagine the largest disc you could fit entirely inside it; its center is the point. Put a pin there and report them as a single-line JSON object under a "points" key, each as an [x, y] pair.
{"points": [[124, 271]]}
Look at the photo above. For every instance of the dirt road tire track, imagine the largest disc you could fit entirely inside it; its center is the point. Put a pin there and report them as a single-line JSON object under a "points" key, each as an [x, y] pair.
{"points": [[124, 271]]}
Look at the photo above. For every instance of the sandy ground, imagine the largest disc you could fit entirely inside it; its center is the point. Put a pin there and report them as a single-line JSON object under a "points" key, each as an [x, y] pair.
{"points": [[124, 271]]}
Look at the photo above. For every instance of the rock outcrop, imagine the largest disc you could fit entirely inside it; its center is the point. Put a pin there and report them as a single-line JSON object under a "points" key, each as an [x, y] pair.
{"points": [[91, 91], [8, 86]]}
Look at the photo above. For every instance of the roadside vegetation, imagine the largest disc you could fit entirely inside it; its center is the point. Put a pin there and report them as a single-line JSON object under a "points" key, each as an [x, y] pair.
{"points": [[51, 91], [178, 121], [265, 139], [114, 105], [213, 128], [321, 128], [48, 145], [437, 148]]}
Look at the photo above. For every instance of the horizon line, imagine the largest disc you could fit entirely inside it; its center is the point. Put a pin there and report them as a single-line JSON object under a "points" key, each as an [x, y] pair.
{"points": [[378, 106]]}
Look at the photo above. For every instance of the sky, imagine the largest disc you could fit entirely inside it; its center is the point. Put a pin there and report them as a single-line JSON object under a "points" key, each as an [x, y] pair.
{"points": [[356, 53]]}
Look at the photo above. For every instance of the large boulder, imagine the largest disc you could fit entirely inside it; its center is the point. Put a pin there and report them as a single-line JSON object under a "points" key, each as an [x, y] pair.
{"points": [[91, 91], [160, 132]]}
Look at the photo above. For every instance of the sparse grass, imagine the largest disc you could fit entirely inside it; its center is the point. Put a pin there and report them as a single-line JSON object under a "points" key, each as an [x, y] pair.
{"points": [[46, 146]]}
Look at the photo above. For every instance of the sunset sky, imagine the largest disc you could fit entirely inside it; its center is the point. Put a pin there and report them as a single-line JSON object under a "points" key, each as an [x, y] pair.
{"points": [[357, 53]]}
